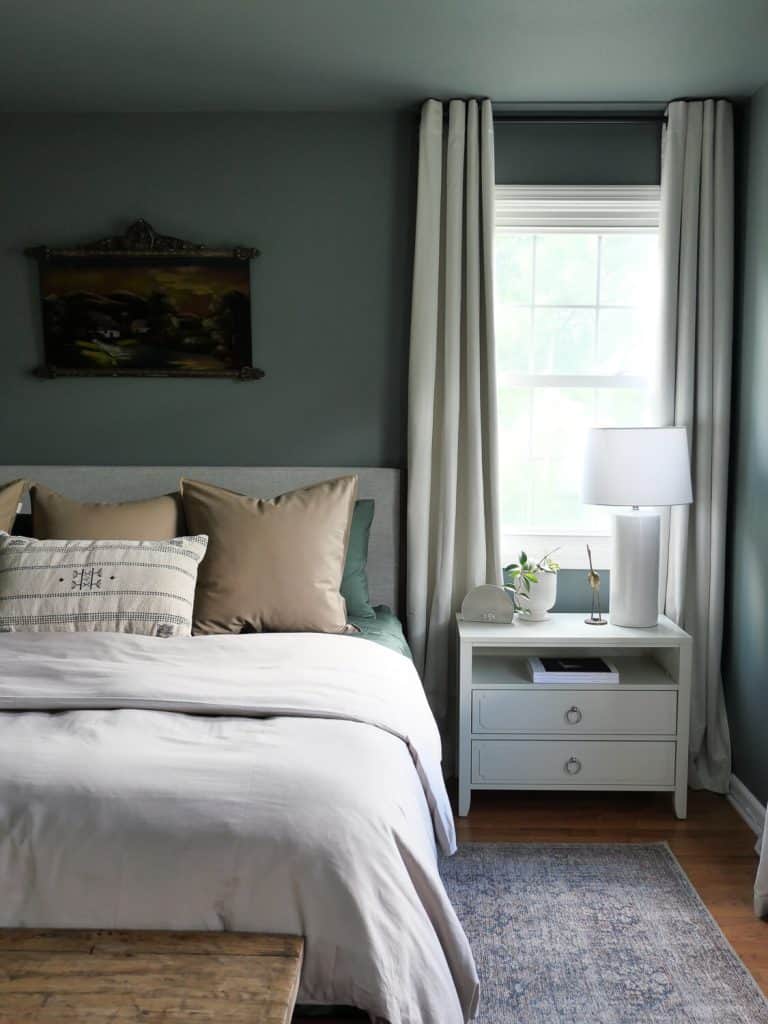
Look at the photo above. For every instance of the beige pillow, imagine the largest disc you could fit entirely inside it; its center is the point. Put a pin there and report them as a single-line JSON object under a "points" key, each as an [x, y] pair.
{"points": [[10, 496], [271, 565], [55, 517]]}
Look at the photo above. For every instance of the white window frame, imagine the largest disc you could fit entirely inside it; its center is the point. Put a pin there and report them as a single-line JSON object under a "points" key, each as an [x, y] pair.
{"points": [[583, 209]]}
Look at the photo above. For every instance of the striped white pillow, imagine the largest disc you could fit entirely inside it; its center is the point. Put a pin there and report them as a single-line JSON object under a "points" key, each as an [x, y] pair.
{"points": [[113, 586]]}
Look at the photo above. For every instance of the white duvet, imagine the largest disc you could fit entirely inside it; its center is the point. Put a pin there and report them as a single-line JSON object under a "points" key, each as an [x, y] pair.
{"points": [[272, 783]]}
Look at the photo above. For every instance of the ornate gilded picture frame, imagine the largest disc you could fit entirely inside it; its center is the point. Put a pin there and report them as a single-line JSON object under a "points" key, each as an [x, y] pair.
{"points": [[144, 304]]}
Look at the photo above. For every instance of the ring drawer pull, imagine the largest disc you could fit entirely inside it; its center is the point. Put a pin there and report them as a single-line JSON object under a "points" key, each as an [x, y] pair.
{"points": [[573, 766], [573, 715]]}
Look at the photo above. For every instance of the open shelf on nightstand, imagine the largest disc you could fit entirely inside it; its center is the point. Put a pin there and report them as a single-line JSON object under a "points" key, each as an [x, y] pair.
{"points": [[511, 670]]}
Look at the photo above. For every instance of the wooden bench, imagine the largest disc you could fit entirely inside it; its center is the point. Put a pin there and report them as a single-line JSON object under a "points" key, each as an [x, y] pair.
{"points": [[117, 977]]}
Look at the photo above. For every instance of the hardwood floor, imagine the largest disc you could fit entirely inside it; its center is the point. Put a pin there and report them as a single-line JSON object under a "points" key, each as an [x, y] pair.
{"points": [[714, 846]]}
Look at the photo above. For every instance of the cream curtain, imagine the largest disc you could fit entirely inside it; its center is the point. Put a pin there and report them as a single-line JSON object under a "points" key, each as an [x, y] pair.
{"points": [[453, 531], [697, 229]]}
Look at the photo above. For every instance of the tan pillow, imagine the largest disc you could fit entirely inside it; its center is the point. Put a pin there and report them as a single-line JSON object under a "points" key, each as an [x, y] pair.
{"points": [[10, 496], [55, 517], [271, 565]]}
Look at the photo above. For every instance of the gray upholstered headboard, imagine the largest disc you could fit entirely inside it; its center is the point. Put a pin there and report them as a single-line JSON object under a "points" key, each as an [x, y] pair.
{"points": [[123, 483]]}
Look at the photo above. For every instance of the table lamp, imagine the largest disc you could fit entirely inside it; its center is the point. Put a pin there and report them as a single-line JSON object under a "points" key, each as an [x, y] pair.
{"points": [[636, 466]]}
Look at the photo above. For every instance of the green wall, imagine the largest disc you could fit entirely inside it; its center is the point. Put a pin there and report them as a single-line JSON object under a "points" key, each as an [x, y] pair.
{"points": [[328, 199], [578, 153], [745, 661]]}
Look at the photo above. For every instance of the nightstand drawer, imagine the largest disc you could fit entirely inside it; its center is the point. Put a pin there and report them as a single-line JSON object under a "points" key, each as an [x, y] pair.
{"points": [[576, 712], [581, 763]]}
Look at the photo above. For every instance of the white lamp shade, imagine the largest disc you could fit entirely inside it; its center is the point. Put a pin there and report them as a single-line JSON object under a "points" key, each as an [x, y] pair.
{"points": [[637, 466]]}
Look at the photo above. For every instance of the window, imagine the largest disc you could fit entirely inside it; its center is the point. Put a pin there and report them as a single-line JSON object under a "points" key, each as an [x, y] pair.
{"points": [[576, 310]]}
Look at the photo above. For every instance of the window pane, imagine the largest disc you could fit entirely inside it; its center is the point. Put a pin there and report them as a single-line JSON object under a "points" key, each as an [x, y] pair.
{"points": [[515, 418], [564, 340], [560, 415], [513, 338], [627, 341], [566, 269], [626, 269], [557, 498], [621, 407], [561, 418], [542, 439], [619, 341], [515, 445], [516, 498], [514, 268]]}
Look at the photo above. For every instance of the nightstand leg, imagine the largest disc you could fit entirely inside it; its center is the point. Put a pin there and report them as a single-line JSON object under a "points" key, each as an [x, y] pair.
{"points": [[683, 729], [465, 728], [465, 798], [681, 802]]}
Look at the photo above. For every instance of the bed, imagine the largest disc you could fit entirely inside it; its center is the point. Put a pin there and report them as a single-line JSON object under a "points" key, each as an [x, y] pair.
{"points": [[270, 782]]}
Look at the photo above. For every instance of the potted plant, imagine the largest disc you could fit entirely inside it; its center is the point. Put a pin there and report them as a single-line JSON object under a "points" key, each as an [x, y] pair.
{"points": [[533, 585]]}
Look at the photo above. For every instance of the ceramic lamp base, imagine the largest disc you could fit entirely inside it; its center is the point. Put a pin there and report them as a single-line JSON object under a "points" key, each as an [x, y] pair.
{"points": [[635, 569]]}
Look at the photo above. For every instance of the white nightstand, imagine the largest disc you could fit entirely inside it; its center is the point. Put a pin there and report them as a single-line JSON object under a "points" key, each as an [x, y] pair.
{"points": [[517, 735]]}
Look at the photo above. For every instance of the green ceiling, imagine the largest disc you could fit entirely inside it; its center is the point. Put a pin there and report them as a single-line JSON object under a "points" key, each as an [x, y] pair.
{"points": [[134, 55]]}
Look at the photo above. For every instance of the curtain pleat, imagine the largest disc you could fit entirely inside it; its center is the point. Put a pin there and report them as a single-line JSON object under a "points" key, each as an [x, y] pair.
{"points": [[452, 518], [697, 230]]}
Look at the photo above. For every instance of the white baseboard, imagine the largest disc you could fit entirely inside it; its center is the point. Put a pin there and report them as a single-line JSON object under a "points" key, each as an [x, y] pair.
{"points": [[747, 805]]}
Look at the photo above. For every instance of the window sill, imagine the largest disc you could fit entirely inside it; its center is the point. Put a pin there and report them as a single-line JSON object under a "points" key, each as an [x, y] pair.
{"points": [[571, 553]]}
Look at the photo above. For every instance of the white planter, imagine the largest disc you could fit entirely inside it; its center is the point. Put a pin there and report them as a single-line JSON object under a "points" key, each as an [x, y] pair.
{"points": [[541, 597]]}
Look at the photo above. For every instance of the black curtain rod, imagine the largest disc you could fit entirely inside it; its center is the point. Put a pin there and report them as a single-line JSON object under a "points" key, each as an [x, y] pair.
{"points": [[534, 119]]}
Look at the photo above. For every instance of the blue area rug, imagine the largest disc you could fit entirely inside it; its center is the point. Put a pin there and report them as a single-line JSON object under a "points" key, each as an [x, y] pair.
{"points": [[595, 934]]}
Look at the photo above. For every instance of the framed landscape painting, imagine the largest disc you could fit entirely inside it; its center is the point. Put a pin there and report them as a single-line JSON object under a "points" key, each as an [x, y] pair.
{"points": [[143, 304]]}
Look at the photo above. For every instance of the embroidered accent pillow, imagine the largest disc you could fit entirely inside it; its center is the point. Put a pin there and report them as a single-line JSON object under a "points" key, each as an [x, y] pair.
{"points": [[112, 586]]}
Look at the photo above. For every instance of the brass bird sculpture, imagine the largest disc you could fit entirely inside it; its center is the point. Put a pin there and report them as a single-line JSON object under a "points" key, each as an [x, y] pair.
{"points": [[595, 617]]}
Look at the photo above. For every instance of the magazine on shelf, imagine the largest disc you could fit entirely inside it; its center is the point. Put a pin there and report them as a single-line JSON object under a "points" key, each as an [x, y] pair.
{"points": [[584, 671]]}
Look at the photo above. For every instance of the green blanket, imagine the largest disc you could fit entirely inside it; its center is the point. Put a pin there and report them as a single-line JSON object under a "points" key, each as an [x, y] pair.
{"points": [[386, 629]]}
